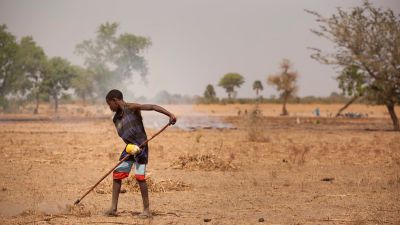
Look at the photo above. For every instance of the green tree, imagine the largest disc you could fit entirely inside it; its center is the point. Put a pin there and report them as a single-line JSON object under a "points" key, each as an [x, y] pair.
{"points": [[56, 78], [82, 83], [351, 81], [32, 60], [369, 39], [257, 86], [285, 83], [11, 79], [113, 59], [209, 93], [229, 81]]}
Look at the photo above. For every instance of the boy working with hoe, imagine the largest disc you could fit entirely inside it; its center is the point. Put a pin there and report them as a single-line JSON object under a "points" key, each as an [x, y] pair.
{"points": [[129, 124]]}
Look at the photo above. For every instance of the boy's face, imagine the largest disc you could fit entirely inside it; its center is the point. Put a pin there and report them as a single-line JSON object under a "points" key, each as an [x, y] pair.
{"points": [[113, 105]]}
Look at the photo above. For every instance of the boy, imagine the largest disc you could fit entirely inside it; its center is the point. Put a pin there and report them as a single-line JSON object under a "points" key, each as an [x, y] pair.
{"points": [[129, 124]]}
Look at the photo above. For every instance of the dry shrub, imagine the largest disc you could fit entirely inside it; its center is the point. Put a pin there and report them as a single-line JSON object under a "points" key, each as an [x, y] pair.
{"points": [[254, 126], [198, 137], [207, 162], [130, 184], [298, 155]]}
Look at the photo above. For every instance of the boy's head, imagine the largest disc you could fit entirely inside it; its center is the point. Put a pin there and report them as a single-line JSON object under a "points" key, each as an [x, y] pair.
{"points": [[113, 97]]}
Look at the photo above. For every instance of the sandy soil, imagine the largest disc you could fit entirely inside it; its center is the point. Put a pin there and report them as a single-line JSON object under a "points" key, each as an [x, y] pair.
{"points": [[282, 170]]}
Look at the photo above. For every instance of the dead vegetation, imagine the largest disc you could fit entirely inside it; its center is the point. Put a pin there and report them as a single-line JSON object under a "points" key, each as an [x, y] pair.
{"points": [[254, 126], [158, 186], [298, 154], [285, 173], [206, 161], [130, 185]]}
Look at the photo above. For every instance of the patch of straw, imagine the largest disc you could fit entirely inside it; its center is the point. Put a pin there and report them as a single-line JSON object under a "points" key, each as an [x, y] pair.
{"points": [[157, 186], [207, 162], [130, 184]]}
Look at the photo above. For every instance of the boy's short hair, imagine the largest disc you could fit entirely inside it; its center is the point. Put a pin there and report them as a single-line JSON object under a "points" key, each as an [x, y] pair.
{"points": [[114, 93]]}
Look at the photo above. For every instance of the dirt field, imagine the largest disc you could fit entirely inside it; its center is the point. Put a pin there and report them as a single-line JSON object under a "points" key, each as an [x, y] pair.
{"points": [[262, 169]]}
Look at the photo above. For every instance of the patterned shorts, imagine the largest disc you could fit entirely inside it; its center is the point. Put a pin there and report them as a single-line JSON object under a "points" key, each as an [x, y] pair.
{"points": [[123, 170]]}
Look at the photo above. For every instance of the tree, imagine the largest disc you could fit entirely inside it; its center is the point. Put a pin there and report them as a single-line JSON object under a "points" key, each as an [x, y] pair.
{"points": [[229, 81], [8, 57], [82, 83], [32, 60], [351, 82], [209, 93], [113, 59], [57, 77], [257, 86], [285, 83], [367, 38]]}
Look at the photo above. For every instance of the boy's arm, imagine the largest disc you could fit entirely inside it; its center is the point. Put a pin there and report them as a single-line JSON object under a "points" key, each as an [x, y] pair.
{"points": [[149, 107]]}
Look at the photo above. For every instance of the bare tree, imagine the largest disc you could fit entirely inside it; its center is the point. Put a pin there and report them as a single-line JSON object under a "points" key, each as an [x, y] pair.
{"points": [[285, 83]]}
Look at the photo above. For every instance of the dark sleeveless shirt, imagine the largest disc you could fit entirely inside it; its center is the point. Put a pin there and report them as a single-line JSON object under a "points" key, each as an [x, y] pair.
{"points": [[130, 128]]}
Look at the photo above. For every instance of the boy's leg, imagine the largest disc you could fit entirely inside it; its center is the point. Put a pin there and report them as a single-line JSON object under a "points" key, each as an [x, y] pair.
{"points": [[121, 172], [140, 170], [145, 197], [115, 195]]}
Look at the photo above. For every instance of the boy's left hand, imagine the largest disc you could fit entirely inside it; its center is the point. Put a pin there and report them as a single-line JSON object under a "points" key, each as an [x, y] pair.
{"points": [[172, 119], [132, 149]]}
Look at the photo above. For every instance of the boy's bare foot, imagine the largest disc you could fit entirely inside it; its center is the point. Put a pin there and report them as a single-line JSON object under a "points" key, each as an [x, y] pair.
{"points": [[145, 214], [111, 212]]}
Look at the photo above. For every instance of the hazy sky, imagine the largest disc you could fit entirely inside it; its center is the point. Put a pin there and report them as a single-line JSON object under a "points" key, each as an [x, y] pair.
{"points": [[194, 42]]}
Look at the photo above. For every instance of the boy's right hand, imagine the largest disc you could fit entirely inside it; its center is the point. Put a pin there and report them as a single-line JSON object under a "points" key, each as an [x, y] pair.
{"points": [[132, 149], [172, 119]]}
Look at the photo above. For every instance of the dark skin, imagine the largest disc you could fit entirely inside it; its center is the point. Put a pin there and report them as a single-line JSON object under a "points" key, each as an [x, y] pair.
{"points": [[116, 105]]}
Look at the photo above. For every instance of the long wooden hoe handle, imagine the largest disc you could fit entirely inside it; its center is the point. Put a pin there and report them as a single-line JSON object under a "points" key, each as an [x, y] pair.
{"points": [[121, 161]]}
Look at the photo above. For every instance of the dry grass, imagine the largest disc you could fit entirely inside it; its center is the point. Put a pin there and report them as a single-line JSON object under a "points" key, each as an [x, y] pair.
{"points": [[284, 175], [207, 162], [158, 186], [298, 154], [130, 185], [254, 126]]}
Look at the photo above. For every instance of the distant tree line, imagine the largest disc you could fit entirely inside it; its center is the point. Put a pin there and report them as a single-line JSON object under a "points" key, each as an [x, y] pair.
{"points": [[285, 83], [164, 97], [367, 50], [28, 75]]}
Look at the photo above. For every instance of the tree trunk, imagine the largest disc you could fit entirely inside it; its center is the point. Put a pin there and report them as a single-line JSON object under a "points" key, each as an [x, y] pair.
{"points": [[55, 103], [84, 100], [284, 110], [347, 105], [36, 111], [393, 116]]}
